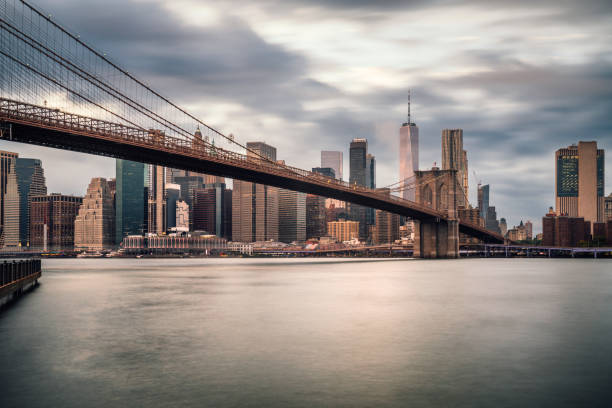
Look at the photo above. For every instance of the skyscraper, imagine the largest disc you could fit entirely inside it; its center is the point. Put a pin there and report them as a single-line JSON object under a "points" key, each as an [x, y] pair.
{"points": [[93, 226], [173, 194], [291, 216], [357, 165], [387, 225], [182, 215], [359, 175], [483, 200], [255, 206], [11, 208], [52, 221], [370, 171], [189, 184], [212, 212], [580, 181], [608, 207], [157, 199], [130, 199], [454, 157], [408, 153], [370, 183], [31, 182], [316, 225], [6, 161], [332, 159]]}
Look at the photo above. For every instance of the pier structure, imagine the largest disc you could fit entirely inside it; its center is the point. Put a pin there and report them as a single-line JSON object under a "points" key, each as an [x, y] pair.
{"points": [[17, 277]]}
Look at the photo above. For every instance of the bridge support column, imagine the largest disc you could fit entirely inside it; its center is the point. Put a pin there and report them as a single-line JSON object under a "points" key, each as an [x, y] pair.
{"points": [[436, 239]]}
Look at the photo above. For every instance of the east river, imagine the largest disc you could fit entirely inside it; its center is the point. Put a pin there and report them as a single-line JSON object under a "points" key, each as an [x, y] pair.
{"points": [[311, 333]]}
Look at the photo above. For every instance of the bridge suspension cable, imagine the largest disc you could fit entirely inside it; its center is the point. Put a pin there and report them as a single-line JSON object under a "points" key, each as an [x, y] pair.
{"points": [[36, 43]]}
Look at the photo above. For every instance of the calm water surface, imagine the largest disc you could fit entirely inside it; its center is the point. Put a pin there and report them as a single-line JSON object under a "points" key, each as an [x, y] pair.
{"points": [[311, 333]]}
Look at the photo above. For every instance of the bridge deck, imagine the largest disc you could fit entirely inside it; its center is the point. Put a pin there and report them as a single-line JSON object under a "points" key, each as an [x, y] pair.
{"points": [[53, 128]]}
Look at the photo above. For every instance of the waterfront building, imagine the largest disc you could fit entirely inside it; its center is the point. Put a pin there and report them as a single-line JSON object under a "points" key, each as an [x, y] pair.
{"points": [[174, 244], [95, 222], [471, 215], [173, 194], [387, 228], [564, 231], [52, 220], [599, 231], [6, 161], [332, 159], [519, 233], [343, 230], [580, 181], [291, 216], [454, 157], [156, 188], [212, 210], [131, 199], [182, 215], [316, 225], [408, 154], [255, 206]]}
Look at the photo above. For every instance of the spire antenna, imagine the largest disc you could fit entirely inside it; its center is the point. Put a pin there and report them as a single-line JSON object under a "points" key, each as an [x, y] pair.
{"points": [[409, 123]]}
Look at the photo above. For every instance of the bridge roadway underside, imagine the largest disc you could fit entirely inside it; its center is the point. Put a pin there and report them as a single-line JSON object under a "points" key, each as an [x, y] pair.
{"points": [[83, 143]]}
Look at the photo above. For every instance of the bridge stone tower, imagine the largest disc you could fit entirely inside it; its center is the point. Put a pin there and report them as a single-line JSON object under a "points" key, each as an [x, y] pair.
{"points": [[440, 190]]}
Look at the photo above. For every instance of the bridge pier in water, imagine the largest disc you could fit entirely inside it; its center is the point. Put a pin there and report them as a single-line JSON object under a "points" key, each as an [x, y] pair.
{"points": [[436, 239]]}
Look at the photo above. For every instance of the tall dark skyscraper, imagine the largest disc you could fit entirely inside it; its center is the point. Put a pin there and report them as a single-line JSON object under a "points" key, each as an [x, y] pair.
{"points": [[131, 218], [31, 182], [212, 210], [357, 155], [173, 194], [358, 164], [370, 171], [483, 200]]}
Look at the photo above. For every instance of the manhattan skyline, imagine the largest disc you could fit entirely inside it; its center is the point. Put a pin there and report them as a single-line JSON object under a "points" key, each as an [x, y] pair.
{"points": [[280, 82]]}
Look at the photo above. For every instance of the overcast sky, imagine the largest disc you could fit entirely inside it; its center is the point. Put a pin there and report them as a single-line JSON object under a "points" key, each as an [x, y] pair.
{"points": [[522, 80]]}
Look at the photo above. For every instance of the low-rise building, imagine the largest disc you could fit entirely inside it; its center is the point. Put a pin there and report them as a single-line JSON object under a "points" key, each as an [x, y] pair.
{"points": [[564, 231], [343, 230], [52, 221]]}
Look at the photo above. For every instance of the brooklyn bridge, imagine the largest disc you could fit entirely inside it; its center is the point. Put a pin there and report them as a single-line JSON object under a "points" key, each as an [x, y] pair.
{"points": [[57, 91]]}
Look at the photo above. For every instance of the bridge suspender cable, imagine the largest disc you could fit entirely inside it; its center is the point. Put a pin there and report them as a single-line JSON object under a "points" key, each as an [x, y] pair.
{"points": [[126, 73]]}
